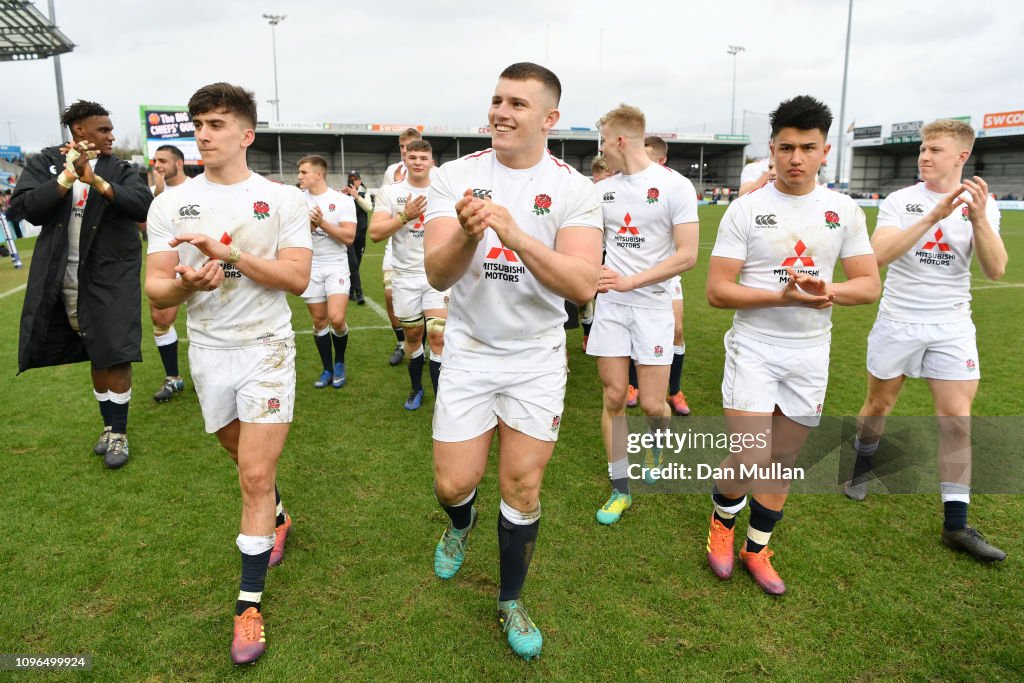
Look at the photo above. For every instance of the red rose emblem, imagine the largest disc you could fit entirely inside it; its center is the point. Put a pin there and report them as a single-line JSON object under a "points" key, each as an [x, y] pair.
{"points": [[273, 405], [330, 207], [541, 204], [555, 422], [965, 212], [260, 210], [653, 193], [832, 220]]}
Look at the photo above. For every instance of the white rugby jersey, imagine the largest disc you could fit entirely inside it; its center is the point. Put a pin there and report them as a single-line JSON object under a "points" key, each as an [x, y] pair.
{"points": [[771, 231], [500, 318], [392, 170], [931, 283], [407, 241], [640, 211], [257, 216], [754, 170], [336, 208]]}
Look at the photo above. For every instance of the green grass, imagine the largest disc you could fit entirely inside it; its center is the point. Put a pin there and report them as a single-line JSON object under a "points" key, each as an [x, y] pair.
{"points": [[138, 567]]}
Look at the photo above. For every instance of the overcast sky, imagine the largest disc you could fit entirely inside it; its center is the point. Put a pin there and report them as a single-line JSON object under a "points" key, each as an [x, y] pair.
{"points": [[436, 62]]}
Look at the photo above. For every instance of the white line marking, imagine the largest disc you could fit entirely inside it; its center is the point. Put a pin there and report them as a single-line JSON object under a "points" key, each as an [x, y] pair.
{"points": [[378, 310], [12, 291], [998, 285]]}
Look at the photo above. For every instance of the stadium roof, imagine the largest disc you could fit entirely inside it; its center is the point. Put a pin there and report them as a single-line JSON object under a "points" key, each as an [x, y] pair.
{"points": [[25, 33]]}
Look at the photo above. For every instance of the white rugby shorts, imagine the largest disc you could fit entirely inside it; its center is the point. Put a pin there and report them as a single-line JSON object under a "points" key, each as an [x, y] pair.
{"points": [[251, 383], [759, 376], [326, 280], [412, 294], [470, 402], [935, 351], [643, 334]]}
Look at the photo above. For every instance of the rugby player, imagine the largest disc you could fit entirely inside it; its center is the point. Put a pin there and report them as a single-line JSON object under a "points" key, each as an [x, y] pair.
{"points": [[651, 231], [332, 221], [232, 259], [398, 217], [927, 234], [782, 241], [395, 173], [168, 173], [657, 151], [513, 231]]}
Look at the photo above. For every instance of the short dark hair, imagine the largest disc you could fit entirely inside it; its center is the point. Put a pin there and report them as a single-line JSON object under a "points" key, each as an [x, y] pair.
{"points": [[173, 150], [656, 143], [234, 98], [82, 109], [314, 160], [524, 71], [803, 112], [420, 145]]}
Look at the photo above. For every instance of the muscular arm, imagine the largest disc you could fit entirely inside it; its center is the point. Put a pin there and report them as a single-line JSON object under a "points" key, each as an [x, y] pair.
{"points": [[164, 288], [571, 269], [724, 292], [862, 285], [890, 242], [344, 232], [447, 252], [288, 272], [990, 250], [685, 236], [383, 225]]}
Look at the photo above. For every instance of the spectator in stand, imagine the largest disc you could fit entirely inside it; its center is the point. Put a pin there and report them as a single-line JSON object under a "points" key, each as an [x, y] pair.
{"points": [[357, 191]]}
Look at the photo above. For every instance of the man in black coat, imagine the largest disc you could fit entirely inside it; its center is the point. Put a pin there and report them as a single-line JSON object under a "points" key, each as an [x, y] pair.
{"points": [[83, 299]]}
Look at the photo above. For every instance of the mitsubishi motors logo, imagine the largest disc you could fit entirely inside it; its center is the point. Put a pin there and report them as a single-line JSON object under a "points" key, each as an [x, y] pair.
{"points": [[85, 197], [503, 272], [418, 225], [225, 239], [627, 228], [942, 246], [502, 250], [800, 248], [935, 252]]}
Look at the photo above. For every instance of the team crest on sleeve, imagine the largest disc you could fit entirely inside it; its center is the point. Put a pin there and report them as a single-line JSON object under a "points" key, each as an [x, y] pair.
{"points": [[652, 195], [541, 204], [831, 220], [260, 210]]}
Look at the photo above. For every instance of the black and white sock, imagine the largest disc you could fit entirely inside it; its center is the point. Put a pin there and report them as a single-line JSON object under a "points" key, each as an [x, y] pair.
{"points": [[955, 500], [255, 561], [762, 523], [517, 536], [340, 344], [416, 362], [167, 346], [119, 411], [727, 508], [618, 472], [675, 375], [461, 513], [323, 347]]}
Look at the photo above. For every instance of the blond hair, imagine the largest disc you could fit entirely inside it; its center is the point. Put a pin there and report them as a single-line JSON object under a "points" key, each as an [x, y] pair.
{"points": [[958, 130], [409, 134], [626, 119], [598, 165], [314, 160]]}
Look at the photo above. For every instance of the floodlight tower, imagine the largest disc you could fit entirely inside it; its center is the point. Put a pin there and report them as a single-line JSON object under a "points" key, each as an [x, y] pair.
{"points": [[734, 50], [274, 20]]}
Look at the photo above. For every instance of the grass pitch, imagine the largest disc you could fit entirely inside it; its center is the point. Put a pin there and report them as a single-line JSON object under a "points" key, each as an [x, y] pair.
{"points": [[138, 567]]}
